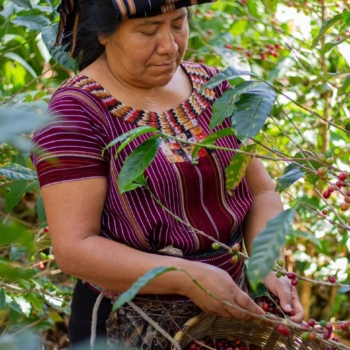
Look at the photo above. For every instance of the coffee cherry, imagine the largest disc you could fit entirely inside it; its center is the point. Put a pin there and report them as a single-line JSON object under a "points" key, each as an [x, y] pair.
{"points": [[347, 200], [327, 335], [43, 256], [210, 31], [234, 259], [321, 172], [321, 157], [312, 336], [324, 211], [228, 46], [236, 248], [323, 323], [215, 246], [305, 335], [332, 279], [344, 206], [280, 262], [340, 184], [292, 313], [32, 258], [263, 56], [283, 329], [295, 281], [311, 322], [342, 176], [344, 326], [41, 266], [329, 327], [330, 189], [278, 274], [326, 194], [291, 275], [329, 160]]}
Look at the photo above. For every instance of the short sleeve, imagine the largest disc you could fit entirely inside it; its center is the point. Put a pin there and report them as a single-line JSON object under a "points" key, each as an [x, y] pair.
{"points": [[69, 146]]}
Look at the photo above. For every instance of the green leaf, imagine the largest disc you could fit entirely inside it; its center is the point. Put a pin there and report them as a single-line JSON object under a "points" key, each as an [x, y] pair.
{"points": [[328, 23], [13, 273], [14, 57], [222, 108], [210, 140], [137, 162], [61, 57], [344, 290], [23, 3], [306, 235], [14, 233], [345, 87], [227, 74], [40, 209], [13, 194], [2, 299], [260, 291], [292, 173], [140, 283], [17, 253], [129, 136], [17, 172], [238, 166], [252, 109], [266, 246], [36, 22], [329, 46]]}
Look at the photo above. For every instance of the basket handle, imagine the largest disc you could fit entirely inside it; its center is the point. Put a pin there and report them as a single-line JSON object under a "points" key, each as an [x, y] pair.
{"points": [[190, 323]]}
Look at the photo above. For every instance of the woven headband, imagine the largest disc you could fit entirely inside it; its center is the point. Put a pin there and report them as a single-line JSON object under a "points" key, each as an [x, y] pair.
{"points": [[145, 8], [69, 14]]}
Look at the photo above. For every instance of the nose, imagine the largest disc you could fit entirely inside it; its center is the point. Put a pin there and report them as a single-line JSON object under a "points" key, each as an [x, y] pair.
{"points": [[167, 44]]}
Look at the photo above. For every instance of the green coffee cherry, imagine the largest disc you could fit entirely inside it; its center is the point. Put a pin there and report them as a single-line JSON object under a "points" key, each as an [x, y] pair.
{"points": [[215, 246]]}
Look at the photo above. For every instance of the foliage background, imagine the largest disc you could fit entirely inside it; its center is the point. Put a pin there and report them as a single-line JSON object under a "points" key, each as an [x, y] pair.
{"points": [[271, 38]]}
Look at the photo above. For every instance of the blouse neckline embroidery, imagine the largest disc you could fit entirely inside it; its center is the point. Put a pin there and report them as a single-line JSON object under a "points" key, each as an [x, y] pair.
{"points": [[172, 122]]}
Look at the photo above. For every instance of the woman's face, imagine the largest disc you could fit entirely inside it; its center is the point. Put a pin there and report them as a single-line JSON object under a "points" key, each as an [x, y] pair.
{"points": [[146, 52]]}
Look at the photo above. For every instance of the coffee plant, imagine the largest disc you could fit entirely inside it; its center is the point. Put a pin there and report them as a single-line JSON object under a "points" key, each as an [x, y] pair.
{"points": [[288, 63]]}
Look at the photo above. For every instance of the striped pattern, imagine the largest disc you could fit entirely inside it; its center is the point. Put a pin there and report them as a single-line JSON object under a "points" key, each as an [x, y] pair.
{"points": [[70, 149], [141, 8]]}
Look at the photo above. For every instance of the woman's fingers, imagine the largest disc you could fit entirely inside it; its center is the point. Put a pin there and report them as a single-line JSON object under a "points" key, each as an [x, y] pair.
{"points": [[245, 302], [299, 311], [285, 295]]}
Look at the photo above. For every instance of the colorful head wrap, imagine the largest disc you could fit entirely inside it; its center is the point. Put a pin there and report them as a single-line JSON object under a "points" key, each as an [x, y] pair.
{"points": [[69, 14], [145, 8]]}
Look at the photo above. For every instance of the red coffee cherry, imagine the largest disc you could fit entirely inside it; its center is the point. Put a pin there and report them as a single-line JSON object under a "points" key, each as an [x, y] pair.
{"points": [[41, 266], [344, 207], [291, 275], [342, 176], [295, 282], [311, 322], [332, 279], [326, 194]]}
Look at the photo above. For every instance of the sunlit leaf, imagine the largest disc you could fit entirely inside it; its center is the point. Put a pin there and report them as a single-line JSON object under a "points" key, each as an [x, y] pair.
{"points": [[292, 173], [140, 283], [17, 172], [328, 23], [346, 86], [137, 162], [9, 272], [238, 166], [266, 246], [14, 57], [331, 45]]}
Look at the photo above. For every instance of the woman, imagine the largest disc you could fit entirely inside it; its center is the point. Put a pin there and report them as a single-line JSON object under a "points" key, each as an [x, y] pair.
{"points": [[130, 56]]}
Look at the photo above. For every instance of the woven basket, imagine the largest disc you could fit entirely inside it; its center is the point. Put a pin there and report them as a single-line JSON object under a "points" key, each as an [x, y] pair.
{"points": [[249, 332]]}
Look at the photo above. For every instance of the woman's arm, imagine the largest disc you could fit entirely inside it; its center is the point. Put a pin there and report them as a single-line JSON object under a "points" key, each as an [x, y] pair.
{"points": [[266, 205], [74, 212]]}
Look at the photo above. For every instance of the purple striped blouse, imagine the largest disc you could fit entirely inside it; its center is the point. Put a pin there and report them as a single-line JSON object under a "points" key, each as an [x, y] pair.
{"points": [[85, 118]]}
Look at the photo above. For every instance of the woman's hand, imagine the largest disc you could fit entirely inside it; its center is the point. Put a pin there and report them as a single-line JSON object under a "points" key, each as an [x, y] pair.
{"points": [[220, 283], [287, 293]]}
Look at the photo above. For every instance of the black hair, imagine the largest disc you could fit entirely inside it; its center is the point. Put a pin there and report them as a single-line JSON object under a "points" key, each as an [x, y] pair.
{"points": [[83, 25]]}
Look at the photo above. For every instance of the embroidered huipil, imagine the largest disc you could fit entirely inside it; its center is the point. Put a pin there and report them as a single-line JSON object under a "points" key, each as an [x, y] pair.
{"points": [[85, 118]]}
